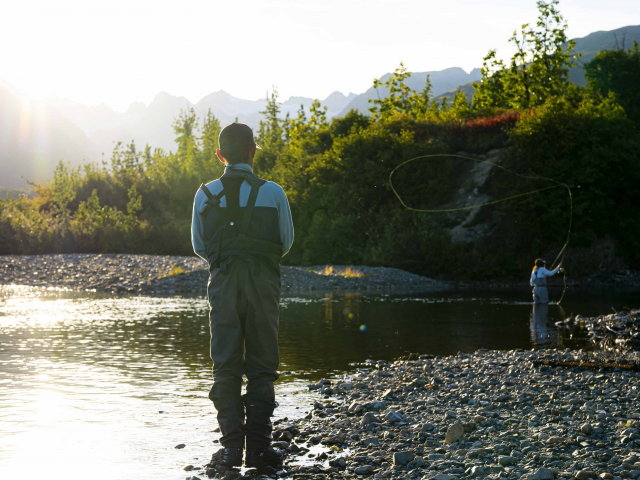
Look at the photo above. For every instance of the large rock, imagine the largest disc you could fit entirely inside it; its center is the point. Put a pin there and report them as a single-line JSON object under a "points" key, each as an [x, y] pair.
{"points": [[394, 417], [478, 471], [541, 474], [443, 476], [586, 428], [584, 474], [402, 458], [370, 441], [427, 427], [369, 418], [507, 461], [454, 433], [364, 470]]}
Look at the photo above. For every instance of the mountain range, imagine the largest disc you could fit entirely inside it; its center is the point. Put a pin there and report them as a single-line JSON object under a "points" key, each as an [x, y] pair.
{"points": [[35, 135]]}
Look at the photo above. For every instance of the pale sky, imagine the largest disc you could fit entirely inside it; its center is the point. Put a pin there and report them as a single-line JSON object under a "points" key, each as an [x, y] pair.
{"points": [[120, 51]]}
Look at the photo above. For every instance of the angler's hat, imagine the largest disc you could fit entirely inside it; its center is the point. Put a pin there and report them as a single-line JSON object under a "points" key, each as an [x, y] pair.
{"points": [[540, 262], [236, 138]]}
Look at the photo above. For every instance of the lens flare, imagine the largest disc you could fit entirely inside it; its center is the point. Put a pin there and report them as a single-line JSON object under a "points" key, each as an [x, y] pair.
{"points": [[363, 328]]}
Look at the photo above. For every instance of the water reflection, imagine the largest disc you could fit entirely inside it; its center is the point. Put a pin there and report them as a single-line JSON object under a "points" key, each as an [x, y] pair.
{"points": [[539, 325], [106, 386]]}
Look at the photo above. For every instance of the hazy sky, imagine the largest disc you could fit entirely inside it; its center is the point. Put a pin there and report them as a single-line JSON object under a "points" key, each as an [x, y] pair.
{"points": [[119, 51]]}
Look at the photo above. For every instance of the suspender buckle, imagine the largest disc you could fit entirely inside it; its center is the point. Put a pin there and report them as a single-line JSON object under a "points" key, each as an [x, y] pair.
{"points": [[213, 202]]}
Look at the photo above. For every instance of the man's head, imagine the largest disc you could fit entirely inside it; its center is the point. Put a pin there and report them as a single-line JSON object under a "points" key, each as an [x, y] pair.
{"points": [[236, 144], [540, 263]]}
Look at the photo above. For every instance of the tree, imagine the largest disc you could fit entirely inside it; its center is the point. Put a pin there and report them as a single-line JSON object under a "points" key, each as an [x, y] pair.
{"points": [[271, 135], [617, 71], [184, 127], [489, 93], [209, 137], [401, 98], [422, 100], [318, 115], [537, 71], [270, 131]]}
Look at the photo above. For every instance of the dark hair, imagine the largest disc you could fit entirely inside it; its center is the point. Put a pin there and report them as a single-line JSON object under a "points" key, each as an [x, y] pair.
{"points": [[236, 155], [540, 262]]}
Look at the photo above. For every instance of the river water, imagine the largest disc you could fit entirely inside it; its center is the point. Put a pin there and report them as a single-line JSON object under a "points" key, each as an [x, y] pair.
{"points": [[104, 387]]}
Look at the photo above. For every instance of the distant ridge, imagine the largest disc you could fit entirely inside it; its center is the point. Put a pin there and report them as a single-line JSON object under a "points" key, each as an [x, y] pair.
{"points": [[441, 82]]}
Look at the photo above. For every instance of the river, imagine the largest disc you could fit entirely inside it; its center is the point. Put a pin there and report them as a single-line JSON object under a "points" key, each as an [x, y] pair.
{"points": [[104, 387]]}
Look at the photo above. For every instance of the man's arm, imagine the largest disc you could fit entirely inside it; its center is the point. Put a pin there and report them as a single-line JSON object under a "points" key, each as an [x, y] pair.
{"points": [[550, 273], [285, 222], [197, 229]]}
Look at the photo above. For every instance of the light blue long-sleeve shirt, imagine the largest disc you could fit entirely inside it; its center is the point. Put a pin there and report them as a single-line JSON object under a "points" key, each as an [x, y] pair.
{"points": [[270, 195], [542, 271]]}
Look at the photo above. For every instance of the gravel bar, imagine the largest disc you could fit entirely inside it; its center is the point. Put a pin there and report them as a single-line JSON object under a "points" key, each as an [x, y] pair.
{"points": [[164, 275], [490, 414]]}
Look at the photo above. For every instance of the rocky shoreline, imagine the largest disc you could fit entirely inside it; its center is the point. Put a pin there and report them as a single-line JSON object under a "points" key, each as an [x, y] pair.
{"points": [[165, 275], [490, 414]]}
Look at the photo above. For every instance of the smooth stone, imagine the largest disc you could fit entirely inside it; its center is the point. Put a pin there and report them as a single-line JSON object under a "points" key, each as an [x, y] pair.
{"points": [[507, 460], [394, 417], [586, 428], [402, 458], [454, 433], [364, 470], [369, 418], [541, 474], [478, 470], [443, 476], [584, 474], [370, 441]]}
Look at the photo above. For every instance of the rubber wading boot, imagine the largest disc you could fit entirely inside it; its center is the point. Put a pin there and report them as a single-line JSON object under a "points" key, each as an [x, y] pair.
{"points": [[227, 457], [262, 457]]}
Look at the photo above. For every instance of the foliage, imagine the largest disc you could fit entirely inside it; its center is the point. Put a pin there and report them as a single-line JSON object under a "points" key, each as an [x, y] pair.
{"points": [[401, 100], [617, 71], [588, 143], [537, 71]]}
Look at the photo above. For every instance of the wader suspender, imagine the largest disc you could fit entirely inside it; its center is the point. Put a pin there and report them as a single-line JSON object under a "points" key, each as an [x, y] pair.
{"points": [[214, 202]]}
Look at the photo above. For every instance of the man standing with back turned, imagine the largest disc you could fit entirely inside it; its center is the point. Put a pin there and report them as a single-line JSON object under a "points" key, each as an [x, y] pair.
{"points": [[242, 227]]}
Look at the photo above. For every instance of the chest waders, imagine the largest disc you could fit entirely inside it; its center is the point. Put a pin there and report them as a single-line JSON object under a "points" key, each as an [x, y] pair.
{"points": [[244, 295], [540, 292]]}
